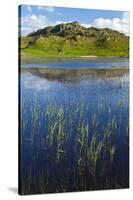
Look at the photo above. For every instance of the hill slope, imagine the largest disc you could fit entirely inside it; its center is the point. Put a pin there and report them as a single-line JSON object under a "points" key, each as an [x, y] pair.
{"points": [[72, 39]]}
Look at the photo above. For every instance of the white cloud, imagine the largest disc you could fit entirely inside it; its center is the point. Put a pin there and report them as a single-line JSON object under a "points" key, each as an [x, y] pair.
{"points": [[118, 24], [34, 82], [48, 9], [62, 22], [33, 22]]}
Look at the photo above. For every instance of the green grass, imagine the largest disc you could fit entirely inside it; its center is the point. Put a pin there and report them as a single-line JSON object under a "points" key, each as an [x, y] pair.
{"points": [[54, 46]]}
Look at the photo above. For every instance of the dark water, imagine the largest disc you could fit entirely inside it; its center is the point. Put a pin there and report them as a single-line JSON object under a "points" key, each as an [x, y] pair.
{"points": [[74, 130]]}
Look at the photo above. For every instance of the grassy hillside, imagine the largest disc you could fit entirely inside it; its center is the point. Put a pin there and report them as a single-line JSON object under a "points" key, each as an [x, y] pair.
{"points": [[72, 39]]}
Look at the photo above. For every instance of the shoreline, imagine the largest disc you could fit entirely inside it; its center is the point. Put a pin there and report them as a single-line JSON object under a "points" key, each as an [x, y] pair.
{"points": [[25, 59], [89, 57]]}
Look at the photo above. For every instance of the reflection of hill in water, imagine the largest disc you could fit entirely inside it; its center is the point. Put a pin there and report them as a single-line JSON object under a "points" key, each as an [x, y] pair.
{"points": [[75, 75]]}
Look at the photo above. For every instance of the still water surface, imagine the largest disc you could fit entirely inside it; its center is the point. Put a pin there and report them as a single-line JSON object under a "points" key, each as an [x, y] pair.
{"points": [[74, 126]]}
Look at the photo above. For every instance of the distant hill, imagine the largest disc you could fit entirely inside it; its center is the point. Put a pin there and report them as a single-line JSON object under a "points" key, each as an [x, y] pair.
{"points": [[72, 39]]}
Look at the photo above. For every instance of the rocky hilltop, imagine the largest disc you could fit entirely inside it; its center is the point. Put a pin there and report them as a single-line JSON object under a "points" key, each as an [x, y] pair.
{"points": [[73, 39]]}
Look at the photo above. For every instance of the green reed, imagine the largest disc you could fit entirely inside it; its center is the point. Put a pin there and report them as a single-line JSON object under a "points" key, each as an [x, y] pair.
{"points": [[65, 134]]}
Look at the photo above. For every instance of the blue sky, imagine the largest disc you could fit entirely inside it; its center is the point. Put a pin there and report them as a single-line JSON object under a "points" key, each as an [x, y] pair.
{"points": [[36, 17]]}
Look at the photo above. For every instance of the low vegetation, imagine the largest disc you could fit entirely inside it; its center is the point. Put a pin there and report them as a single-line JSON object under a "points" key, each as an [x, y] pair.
{"points": [[73, 146], [74, 40]]}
